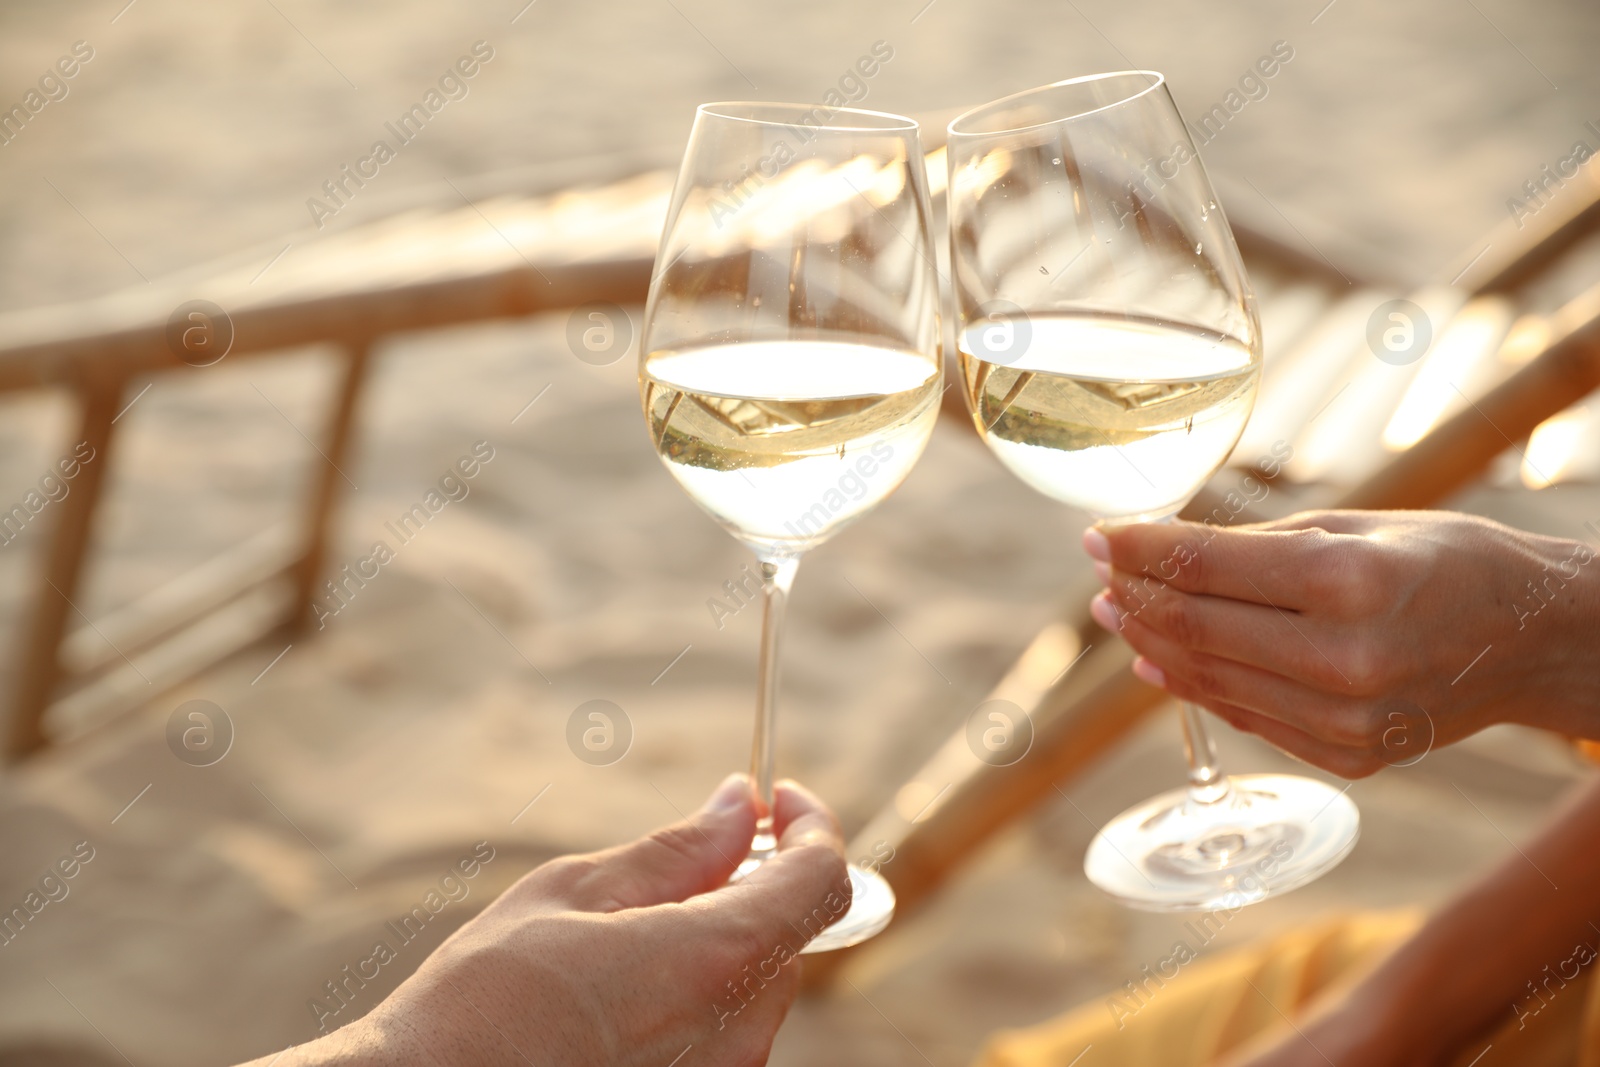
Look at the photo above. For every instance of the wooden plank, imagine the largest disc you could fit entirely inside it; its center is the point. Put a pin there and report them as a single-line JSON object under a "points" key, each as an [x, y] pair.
{"points": [[1344, 442], [1460, 448], [1040, 666], [1464, 363], [329, 483], [346, 318], [1292, 396], [1523, 245], [588, 228], [1286, 320], [39, 668], [1565, 448], [194, 593], [203, 643]]}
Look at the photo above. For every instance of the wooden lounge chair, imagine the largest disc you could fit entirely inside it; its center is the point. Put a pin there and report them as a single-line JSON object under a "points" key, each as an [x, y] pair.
{"points": [[502, 257]]}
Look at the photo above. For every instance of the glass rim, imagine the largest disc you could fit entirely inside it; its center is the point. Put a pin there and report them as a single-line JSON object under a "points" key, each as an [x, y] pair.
{"points": [[1155, 80], [730, 110]]}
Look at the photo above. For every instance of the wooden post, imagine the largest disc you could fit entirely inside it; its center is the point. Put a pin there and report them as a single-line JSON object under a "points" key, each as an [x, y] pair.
{"points": [[40, 667], [327, 488]]}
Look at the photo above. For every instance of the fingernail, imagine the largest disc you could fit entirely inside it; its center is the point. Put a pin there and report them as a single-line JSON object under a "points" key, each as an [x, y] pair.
{"points": [[732, 794], [1149, 673], [1104, 613], [1102, 571], [1095, 543]]}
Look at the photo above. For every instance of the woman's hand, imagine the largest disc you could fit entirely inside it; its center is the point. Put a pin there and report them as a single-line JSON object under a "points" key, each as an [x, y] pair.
{"points": [[630, 956], [1358, 639]]}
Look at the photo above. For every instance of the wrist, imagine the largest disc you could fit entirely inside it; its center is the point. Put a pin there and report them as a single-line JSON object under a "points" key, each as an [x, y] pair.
{"points": [[1577, 698], [1559, 597]]}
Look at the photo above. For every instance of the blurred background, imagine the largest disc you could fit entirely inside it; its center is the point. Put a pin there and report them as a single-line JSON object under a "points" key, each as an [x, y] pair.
{"points": [[180, 159]]}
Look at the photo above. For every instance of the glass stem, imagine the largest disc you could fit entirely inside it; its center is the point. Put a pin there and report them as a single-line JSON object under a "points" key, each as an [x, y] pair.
{"points": [[1207, 783], [777, 577]]}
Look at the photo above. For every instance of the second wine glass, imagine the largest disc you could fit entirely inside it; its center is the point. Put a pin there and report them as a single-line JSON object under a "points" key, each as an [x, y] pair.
{"points": [[789, 360], [1110, 350]]}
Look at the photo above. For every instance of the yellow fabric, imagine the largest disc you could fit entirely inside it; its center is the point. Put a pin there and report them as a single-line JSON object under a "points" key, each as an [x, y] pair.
{"points": [[1217, 1003]]}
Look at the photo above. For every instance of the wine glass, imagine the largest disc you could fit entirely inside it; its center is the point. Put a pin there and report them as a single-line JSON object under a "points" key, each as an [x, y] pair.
{"points": [[789, 360], [1110, 351]]}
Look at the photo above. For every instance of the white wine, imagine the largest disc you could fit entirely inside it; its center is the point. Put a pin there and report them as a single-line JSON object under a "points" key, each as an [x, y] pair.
{"points": [[1123, 418], [784, 442]]}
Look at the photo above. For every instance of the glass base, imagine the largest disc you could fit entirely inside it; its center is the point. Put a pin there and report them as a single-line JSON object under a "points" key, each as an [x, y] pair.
{"points": [[1165, 513], [871, 908], [1266, 834]]}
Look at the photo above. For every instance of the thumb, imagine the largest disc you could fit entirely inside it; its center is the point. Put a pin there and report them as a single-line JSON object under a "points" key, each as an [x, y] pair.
{"points": [[687, 858]]}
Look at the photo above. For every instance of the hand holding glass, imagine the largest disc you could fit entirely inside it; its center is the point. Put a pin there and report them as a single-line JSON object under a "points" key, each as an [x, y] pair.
{"points": [[1110, 352], [789, 359]]}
